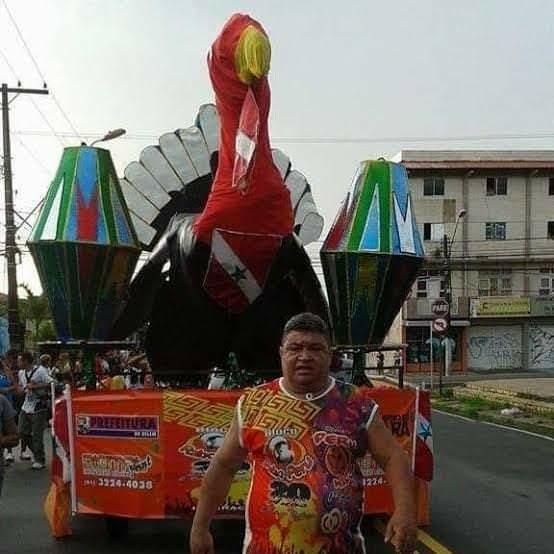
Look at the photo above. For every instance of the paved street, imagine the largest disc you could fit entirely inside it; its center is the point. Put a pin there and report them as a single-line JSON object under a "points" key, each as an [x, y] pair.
{"points": [[493, 493], [24, 529]]}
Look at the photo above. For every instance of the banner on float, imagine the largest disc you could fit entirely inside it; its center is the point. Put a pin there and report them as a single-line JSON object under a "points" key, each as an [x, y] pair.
{"points": [[143, 454], [119, 465]]}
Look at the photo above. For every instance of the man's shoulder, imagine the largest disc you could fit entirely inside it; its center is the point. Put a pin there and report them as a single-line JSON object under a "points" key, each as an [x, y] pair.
{"points": [[255, 395], [41, 372], [353, 393]]}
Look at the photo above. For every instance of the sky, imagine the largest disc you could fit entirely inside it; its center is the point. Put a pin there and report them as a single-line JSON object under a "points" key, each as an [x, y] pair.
{"points": [[350, 81]]}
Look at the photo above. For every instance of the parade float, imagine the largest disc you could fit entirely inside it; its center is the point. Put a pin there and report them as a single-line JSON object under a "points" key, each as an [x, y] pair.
{"points": [[225, 219]]}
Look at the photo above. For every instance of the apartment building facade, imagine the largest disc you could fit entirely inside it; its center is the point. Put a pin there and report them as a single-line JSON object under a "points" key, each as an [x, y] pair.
{"points": [[497, 210]]}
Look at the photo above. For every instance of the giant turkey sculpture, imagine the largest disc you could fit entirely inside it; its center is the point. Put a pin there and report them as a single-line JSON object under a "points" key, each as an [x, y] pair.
{"points": [[237, 267]]}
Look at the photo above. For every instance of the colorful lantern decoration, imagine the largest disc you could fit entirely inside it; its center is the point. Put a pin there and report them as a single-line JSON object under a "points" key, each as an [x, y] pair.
{"points": [[371, 255], [84, 245]]}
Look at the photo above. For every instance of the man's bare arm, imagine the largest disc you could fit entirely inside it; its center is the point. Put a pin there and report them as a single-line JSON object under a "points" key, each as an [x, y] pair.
{"points": [[401, 530], [217, 481]]}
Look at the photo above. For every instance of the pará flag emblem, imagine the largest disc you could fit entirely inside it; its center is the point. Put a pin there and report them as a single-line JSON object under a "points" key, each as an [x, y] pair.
{"points": [[238, 267], [423, 466]]}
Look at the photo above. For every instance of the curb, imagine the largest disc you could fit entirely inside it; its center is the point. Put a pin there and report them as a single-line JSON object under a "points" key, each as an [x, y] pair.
{"points": [[533, 406]]}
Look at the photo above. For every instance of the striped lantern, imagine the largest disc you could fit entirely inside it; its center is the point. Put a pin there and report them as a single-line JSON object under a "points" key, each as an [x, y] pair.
{"points": [[371, 255], [84, 245]]}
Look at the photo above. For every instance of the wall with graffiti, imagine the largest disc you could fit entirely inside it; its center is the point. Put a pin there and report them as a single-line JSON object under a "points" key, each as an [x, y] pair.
{"points": [[497, 347], [541, 347]]}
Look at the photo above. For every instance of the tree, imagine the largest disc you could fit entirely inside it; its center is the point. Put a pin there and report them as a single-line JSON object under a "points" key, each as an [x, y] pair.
{"points": [[35, 309]]}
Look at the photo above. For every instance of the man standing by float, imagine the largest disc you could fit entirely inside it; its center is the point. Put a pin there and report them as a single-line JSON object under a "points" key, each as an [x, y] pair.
{"points": [[310, 500]]}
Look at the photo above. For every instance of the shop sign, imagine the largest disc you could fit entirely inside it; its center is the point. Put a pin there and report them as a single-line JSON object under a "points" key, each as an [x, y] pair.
{"points": [[542, 306], [501, 307]]}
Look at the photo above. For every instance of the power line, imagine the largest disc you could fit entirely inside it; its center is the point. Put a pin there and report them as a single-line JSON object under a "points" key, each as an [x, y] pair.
{"points": [[31, 99], [367, 140], [23, 40], [321, 140], [34, 156], [10, 66], [41, 74], [45, 119]]}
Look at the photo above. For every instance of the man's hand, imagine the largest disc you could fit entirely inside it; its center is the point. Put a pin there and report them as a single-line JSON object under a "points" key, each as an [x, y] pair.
{"points": [[401, 532], [201, 541]]}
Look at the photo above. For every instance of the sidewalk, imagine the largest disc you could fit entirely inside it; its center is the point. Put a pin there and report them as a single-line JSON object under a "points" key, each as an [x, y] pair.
{"points": [[535, 381]]}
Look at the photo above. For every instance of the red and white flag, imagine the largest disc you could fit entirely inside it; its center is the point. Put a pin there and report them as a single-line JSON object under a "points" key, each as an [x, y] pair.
{"points": [[423, 454], [246, 141], [238, 267]]}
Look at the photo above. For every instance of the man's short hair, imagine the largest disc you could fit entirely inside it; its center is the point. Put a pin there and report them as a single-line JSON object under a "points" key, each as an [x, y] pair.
{"points": [[27, 357], [45, 359], [307, 322]]}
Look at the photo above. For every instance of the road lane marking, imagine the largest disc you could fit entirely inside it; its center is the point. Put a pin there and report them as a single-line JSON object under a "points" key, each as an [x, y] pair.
{"points": [[538, 435], [455, 415], [427, 540], [508, 428], [431, 543]]}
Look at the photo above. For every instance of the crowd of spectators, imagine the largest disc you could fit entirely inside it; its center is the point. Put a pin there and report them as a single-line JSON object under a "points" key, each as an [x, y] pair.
{"points": [[26, 386]]}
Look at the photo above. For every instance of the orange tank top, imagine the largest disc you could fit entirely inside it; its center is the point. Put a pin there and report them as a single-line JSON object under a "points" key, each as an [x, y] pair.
{"points": [[306, 493]]}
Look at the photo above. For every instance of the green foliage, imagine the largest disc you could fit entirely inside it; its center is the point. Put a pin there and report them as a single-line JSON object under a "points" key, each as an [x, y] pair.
{"points": [[34, 308], [46, 331]]}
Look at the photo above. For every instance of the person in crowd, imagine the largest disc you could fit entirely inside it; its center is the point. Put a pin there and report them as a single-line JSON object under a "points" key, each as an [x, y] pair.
{"points": [[8, 388], [8, 432], [35, 381], [61, 369], [380, 362]]}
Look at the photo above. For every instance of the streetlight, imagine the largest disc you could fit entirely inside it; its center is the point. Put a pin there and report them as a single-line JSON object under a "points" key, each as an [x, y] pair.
{"points": [[110, 135], [447, 248], [461, 214]]}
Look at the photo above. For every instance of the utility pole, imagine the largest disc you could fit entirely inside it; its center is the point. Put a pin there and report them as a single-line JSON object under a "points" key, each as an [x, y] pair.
{"points": [[14, 326], [448, 298]]}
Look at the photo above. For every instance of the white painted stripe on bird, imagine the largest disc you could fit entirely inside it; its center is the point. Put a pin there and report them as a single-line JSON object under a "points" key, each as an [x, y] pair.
{"points": [[244, 146]]}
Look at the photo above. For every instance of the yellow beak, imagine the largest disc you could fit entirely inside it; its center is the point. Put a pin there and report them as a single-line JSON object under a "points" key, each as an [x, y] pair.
{"points": [[252, 55]]}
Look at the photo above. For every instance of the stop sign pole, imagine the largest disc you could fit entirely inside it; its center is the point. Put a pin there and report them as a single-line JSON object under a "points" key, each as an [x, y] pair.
{"points": [[440, 325]]}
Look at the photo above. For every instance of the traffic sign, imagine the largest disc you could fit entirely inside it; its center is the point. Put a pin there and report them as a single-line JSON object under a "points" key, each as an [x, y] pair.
{"points": [[440, 308], [440, 325]]}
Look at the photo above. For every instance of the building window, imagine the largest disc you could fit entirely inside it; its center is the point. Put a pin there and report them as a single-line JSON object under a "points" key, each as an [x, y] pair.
{"points": [[546, 287], [495, 283], [433, 186], [495, 231], [421, 288], [430, 284], [433, 231], [546, 281], [550, 230], [551, 186], [497, 186], [419, 345]]}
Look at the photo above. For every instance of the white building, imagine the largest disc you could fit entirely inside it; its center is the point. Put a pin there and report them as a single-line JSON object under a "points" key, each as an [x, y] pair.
{"points": [[502, 256]]}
